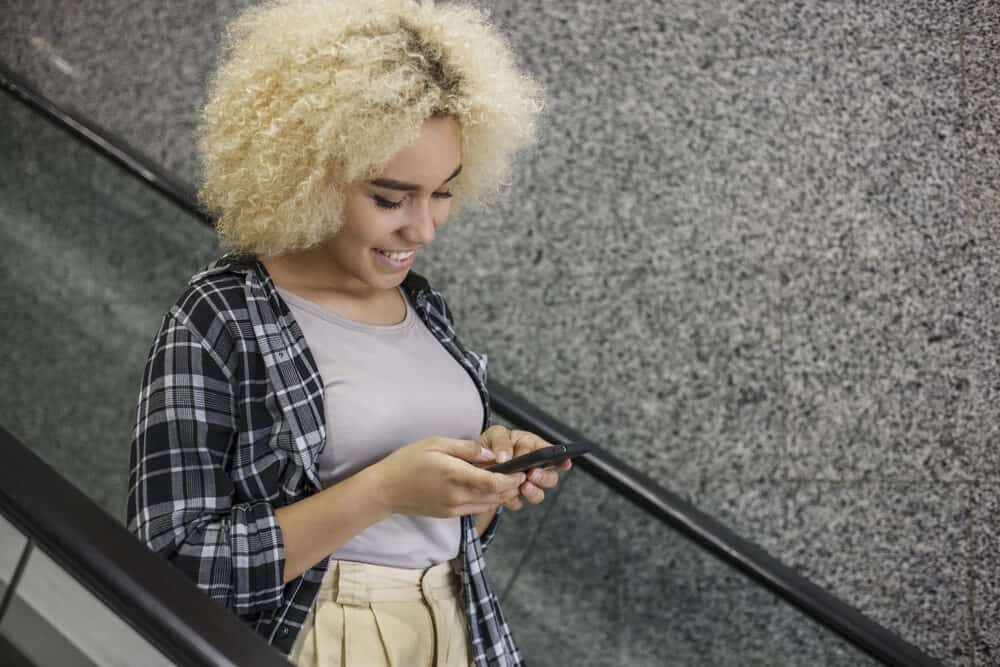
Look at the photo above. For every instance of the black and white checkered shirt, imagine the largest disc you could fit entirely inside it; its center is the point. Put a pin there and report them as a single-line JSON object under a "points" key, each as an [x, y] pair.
{"points": [[229, 427]]}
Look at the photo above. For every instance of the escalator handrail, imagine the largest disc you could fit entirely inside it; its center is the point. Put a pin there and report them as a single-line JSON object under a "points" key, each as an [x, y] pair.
{"points": [[746, 557], [159, 602], [743, 555], [105, 142]]}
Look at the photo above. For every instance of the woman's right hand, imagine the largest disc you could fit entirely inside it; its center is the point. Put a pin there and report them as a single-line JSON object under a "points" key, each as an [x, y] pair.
{"points": [[439, 477]]}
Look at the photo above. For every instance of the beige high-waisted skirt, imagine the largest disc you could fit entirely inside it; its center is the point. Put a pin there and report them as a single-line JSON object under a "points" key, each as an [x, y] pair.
{"points": [[373, 616]]}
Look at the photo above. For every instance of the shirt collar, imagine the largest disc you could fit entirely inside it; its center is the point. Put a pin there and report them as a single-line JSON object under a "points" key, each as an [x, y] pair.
{"points": [[414, 284]]}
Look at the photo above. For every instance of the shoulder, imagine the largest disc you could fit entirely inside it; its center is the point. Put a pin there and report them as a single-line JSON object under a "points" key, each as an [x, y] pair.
{"points": [[214, 302]]}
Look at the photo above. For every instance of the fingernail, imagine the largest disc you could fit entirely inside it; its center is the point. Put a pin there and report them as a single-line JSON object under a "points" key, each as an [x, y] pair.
{"points": [[503, 456], [487, 454]]}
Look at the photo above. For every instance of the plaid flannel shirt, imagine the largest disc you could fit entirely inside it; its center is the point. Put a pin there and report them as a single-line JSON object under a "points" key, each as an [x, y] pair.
{"points": [[229, 426]]}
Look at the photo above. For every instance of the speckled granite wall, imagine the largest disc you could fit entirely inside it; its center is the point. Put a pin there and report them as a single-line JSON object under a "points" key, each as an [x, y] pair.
{"points": [[753, 252]]}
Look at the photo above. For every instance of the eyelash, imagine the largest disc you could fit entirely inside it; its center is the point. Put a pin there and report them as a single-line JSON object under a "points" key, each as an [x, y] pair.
{"points": [[382, 202]]}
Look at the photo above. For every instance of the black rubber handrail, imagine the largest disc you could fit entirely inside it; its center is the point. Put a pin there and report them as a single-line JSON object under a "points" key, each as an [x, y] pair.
{"points": [[159, 601], [743, 555], [104, 142]]}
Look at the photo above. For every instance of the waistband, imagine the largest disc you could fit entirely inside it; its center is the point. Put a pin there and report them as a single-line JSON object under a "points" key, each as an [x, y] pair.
{"points": [[353, 583]]}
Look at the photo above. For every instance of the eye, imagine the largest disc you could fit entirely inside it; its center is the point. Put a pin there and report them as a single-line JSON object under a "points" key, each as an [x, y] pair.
{"points": [[442, 195], [382, 202]]}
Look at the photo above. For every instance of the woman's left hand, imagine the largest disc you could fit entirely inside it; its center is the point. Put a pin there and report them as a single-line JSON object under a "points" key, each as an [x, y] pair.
{"points": [[507, 444]]}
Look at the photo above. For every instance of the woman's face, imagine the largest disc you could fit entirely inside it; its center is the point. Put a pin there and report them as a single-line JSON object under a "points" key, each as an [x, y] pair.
{"points": [[389, 219]]}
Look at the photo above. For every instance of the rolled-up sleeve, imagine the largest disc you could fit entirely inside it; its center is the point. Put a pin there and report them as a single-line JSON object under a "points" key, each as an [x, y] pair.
{"points": [[181, 496]]}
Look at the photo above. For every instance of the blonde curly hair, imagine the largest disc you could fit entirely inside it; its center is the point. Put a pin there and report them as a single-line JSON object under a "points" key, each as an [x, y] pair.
{"points": [[312, 95]]}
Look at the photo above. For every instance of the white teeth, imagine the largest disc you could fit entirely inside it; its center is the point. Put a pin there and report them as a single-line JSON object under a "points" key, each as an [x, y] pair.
{"points": [[398, 256]]}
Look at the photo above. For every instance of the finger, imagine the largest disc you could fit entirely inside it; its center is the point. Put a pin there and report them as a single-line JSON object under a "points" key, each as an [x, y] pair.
{"points": [[543, 478], [490, 483], [525, 442], [507, 496], [481, 502], [532, 493], [511, 482], [467, 450], [565, 464], [498, 439], [514, 504]]}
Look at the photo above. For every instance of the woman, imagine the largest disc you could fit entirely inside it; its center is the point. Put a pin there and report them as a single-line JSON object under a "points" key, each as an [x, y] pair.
{"points": [[306, 447]]}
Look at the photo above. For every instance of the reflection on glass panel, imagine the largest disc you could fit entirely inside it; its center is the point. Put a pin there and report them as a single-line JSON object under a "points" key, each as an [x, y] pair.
{"points": [[90, 259], [603, 583], [75, 623], [11, 657], [12, 544], [35, 640]]}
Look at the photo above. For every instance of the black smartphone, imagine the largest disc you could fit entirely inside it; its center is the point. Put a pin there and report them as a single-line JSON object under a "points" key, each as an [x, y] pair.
{"points": [[541, 458]]}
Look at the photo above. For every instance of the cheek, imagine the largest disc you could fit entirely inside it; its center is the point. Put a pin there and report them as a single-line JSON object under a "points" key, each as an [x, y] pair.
{"points": [[443, 214], [364, 228]]}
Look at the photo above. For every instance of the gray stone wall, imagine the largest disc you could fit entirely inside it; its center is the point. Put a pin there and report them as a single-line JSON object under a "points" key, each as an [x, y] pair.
{"points": [[752, 252]]}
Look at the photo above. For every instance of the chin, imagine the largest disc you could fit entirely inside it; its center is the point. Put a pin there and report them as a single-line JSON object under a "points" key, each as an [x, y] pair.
{"points": [[388, 281]]}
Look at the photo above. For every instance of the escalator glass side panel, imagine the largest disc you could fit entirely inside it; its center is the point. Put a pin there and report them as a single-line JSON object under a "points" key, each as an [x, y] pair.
{"points": [[12, 544], [606, 584], [10, 656], [90, 260], [53, 620]]}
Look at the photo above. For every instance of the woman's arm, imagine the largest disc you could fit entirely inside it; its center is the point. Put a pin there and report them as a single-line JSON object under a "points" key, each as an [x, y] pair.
{"points": [[181, 499], [432, 477], [317, 526]]}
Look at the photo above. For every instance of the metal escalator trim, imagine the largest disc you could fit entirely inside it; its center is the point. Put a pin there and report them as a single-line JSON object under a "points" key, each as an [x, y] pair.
{"points": [[104, 142], [157, 600], [743, 555]]}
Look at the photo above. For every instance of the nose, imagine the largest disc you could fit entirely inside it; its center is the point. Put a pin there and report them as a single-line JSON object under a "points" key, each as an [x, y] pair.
{"points": [[421, 226]]}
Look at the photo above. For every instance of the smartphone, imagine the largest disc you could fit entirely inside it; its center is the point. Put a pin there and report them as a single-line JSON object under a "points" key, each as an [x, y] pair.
{"points": [[541, 458]]}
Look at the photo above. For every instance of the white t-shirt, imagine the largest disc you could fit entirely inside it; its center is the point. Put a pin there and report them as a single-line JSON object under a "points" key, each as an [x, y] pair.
{"points": [[386, 386]]}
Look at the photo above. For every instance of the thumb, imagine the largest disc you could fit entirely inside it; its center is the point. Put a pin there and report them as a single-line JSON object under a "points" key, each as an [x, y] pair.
{"points": [[467, 450]]}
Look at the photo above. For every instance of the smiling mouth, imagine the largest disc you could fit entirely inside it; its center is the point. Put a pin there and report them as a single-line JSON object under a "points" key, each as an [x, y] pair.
{"points": [[398, 256]]}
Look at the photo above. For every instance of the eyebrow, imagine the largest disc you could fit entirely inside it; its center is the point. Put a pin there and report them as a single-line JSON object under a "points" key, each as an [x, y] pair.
{"points": [[391, 184]]}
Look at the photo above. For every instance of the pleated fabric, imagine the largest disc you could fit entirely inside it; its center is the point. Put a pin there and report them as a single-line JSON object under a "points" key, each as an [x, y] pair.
{"points": [[375, 616]]}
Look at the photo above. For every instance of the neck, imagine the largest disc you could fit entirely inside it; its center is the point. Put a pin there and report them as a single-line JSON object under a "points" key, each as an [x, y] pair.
{"points": [[313, 270]]}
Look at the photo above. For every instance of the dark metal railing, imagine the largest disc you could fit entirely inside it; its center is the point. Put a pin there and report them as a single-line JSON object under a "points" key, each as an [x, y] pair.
{"points": [[104, 142], [743, 555], [159, 601]]}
